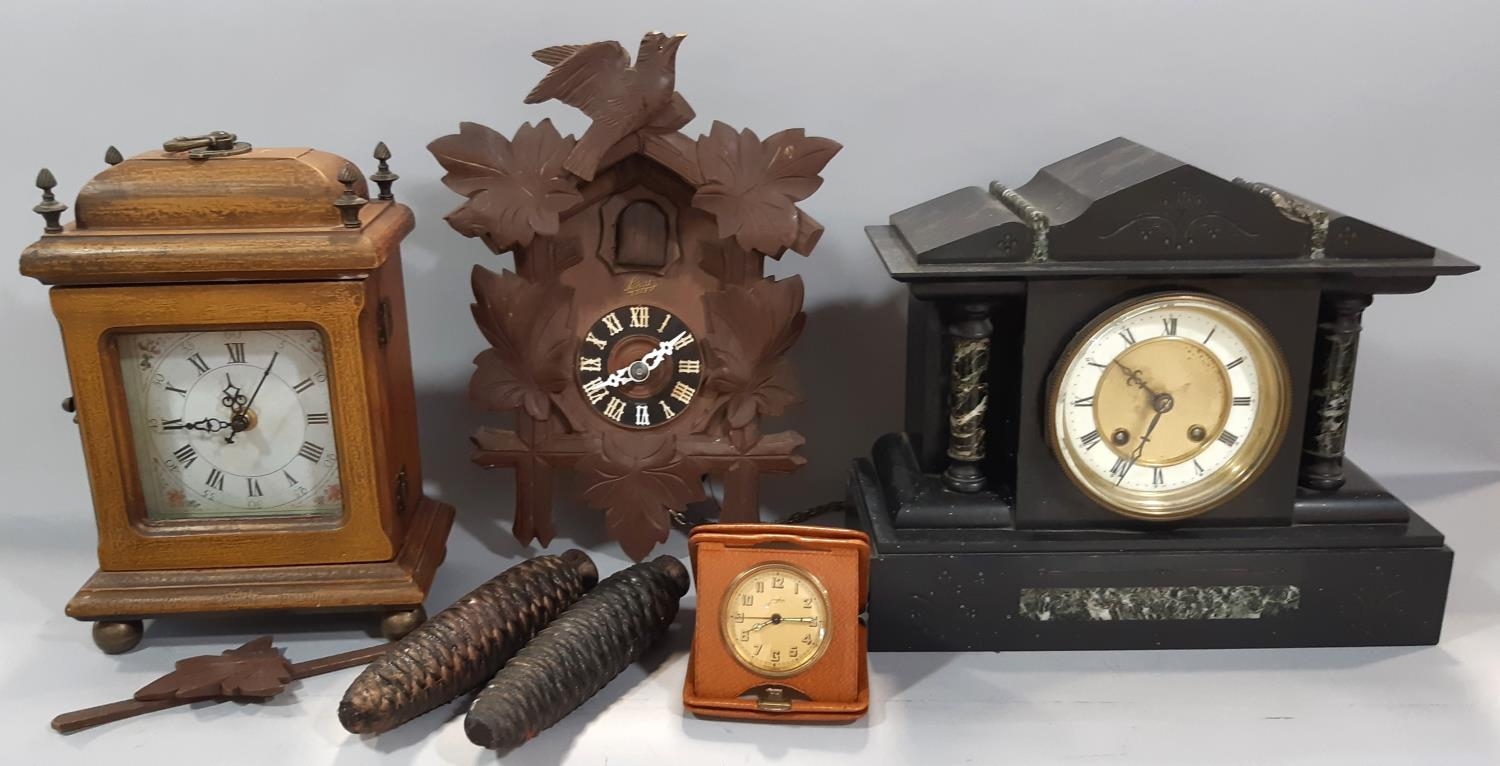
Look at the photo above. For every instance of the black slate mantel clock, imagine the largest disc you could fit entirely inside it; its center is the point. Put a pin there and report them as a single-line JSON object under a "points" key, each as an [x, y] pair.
{"points": [[1128, 389]]}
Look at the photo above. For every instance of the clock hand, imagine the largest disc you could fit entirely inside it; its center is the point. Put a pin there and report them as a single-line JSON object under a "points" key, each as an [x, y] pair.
{"points": [[210, 425], [1162, 403], [239, 422], [639, 370], [1133, 377], [233, 395]]}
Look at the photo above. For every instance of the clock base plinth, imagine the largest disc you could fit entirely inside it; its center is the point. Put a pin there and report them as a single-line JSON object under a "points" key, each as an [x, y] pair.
{"points": [[396, 588], [1337, 583]]}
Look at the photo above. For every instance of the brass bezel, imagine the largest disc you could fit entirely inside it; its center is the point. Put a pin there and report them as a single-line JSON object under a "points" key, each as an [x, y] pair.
{"points": [[824, 634], [1261, 443]]}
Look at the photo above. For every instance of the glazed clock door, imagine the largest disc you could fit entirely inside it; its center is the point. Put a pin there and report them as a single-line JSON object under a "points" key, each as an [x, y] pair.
{"points": [[232, 423], [1147, 407], [1167, 406]]}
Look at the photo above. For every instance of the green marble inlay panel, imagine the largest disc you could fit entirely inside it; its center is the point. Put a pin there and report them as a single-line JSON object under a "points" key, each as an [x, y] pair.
{"points": [[1178, 602]]}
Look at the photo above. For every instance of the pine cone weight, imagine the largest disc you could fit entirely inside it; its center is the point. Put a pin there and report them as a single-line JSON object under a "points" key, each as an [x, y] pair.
{"points": [[580, 652], [458, 650]]}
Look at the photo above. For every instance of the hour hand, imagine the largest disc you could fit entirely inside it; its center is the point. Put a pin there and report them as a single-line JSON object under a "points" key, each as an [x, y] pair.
{"points": [[639, 370], [207, 425]]}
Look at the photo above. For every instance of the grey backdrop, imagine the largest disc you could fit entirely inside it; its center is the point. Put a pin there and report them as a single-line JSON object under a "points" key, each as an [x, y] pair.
{"points": [[1387, 110]]}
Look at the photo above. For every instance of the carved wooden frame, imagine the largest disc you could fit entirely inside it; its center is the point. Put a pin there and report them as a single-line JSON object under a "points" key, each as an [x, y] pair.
{"points": [[521, 197]]}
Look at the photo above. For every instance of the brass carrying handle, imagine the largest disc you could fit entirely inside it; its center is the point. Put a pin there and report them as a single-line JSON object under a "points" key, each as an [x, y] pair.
{"points": [[218, 143]]}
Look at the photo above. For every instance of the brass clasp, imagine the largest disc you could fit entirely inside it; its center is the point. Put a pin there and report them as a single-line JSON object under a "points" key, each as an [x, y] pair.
{"points": [[773, 699], [218, 143]]}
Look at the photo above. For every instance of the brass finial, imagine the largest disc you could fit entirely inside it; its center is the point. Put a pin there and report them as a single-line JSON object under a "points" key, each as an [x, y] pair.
{"points": [[49, 209], [349, 203], [112, 156], [383, 175]]}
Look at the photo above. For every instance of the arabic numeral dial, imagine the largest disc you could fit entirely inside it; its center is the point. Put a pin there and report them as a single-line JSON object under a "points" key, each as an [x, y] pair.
{"points": [[775, 619], [639, 366]]}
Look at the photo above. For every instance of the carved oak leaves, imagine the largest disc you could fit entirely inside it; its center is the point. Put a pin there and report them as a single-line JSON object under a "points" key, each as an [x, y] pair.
{"points": [[636, 478], [752, 187], [750, 330], [530, 330], [517, 188]]}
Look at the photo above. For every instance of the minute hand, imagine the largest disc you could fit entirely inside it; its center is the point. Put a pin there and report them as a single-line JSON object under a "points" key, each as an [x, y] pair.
{"points": [[652, 360]]}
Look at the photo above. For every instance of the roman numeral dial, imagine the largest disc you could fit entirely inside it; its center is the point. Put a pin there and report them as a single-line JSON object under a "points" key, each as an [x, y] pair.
{"points": [[639, 366], [1164, 407], [231, 424]]}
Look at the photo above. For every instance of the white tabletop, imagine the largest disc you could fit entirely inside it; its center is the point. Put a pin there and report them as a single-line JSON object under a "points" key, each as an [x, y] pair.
{"points": [[1367, 706]]}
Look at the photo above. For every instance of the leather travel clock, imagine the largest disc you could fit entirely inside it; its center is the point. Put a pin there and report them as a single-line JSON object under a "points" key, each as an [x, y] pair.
{"points": [[234, 326], [779, 635], [638, 343]]}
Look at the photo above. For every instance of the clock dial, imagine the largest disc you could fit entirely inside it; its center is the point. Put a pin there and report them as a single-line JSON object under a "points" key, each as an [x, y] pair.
{"points": [[775, 619], [1167, 406], [639, 366], [231, 423]]}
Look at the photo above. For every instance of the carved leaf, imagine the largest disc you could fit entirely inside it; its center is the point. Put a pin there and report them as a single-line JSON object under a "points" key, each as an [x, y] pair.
{"points": [[750, 330], [255, 670], [517, 188], [635, 479], [751, 186], [530, 330]]}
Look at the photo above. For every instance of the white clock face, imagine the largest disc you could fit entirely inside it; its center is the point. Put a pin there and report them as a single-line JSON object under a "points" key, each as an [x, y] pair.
{"points": [[231, 423], [1165, 407]]}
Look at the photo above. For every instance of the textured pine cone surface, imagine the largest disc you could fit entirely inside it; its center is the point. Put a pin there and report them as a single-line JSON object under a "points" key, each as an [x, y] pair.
{"points": [[458, 650], [580, 652]]}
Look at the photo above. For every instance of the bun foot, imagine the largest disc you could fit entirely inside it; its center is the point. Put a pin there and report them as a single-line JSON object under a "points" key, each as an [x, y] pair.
{"points": [[397, 624], [118, 637]]}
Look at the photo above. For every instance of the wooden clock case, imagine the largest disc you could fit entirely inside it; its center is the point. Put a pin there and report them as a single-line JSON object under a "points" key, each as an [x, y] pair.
{"points": [[983, 542], [633, 213], [836, 688], [164, 242]]}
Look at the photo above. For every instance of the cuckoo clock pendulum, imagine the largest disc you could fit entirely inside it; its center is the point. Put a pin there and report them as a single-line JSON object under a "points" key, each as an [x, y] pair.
{"points": [[637, 341], [1128, 389]]}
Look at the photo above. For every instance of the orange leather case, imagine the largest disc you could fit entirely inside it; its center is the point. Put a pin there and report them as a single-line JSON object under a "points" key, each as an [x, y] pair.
{"points": [[836, 687]]}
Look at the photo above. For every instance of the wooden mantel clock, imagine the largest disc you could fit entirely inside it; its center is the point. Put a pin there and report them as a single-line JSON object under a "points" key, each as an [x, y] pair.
{"points": [[779, 636], [637, 342], [236, 338], [1129, 384]]}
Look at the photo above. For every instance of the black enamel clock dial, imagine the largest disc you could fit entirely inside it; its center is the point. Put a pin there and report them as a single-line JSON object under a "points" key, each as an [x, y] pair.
{"points": [[639, 366]]}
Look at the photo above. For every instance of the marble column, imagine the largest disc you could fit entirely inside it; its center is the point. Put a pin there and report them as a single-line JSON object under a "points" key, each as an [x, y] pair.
{"points": [[1332, 389], [968, 397]]}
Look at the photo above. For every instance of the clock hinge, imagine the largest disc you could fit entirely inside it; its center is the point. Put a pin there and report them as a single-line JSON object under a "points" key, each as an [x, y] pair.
{"points": [[401, 488], [383, 322]]}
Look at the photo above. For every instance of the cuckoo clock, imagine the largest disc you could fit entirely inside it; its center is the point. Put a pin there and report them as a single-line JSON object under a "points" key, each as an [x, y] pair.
{"points": [[1128, 386], [637, 342]]}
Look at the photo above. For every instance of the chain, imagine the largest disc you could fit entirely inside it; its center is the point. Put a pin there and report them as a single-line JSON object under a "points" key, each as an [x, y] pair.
{"points": [[681, 520]]}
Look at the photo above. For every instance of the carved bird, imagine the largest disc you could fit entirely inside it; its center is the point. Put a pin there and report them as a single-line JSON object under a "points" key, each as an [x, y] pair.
{"points": [[598, 79]]}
